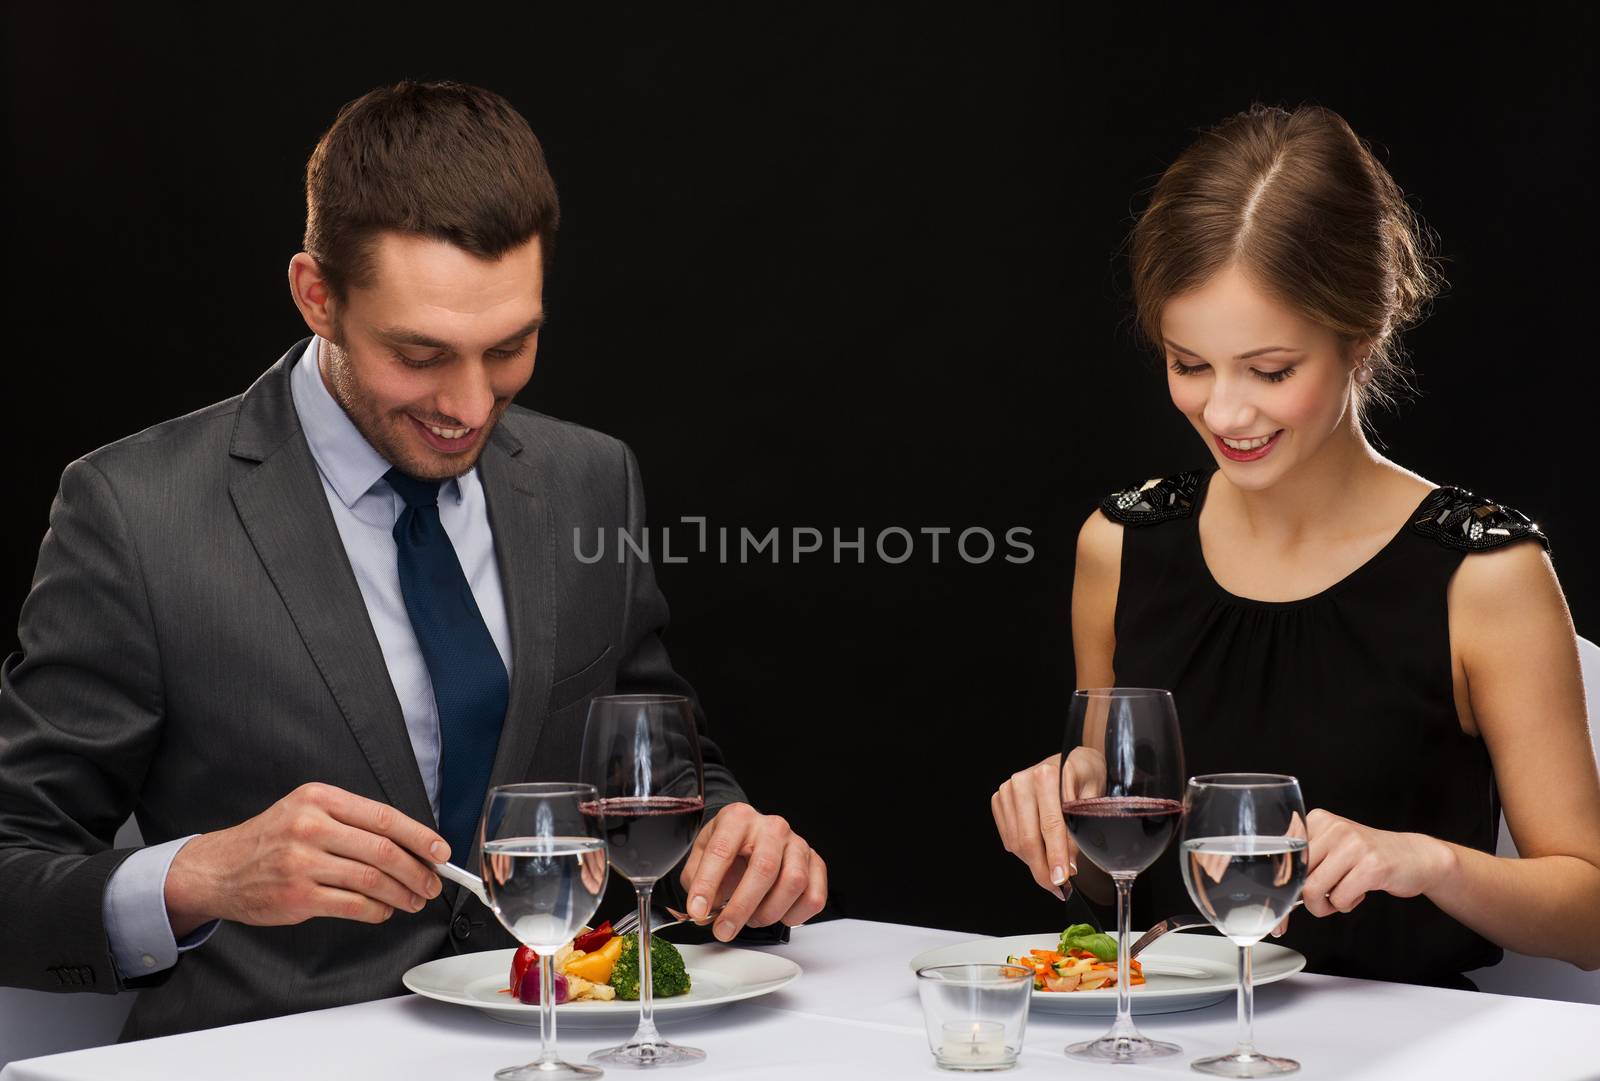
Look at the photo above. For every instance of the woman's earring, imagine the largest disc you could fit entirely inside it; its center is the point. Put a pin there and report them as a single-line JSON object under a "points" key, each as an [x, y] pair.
{"points": [[1363, 374]]}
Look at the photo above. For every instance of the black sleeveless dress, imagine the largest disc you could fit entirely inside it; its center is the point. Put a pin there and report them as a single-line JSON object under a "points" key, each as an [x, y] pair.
{"points": [[1349, 690]]}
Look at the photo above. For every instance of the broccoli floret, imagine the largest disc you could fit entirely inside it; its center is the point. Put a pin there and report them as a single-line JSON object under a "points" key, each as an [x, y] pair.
{"points": [[666, 969]]}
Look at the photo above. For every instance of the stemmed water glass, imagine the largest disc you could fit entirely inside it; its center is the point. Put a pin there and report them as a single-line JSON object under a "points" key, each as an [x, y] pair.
{"points": [[1121, 783], [1244, 863], [642, 754], [544, 869]]}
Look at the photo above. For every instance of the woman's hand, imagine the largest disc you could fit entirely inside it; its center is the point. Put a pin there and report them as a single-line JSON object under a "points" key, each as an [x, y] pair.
{"points": [[1349, 860], [1027, 812]]}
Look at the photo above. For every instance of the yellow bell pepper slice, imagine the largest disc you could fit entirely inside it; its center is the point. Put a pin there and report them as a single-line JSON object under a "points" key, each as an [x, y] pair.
{"points": [[596, 967]]}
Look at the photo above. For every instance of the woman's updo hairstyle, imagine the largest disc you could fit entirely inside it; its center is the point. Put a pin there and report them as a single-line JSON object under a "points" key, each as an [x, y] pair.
{"points": [[1303, 207]]}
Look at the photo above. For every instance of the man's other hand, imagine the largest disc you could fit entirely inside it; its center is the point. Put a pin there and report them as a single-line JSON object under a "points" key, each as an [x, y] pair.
{"points": [[319, 851], [763, 870]]}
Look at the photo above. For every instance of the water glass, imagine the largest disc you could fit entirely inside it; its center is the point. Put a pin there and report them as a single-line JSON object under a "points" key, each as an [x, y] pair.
{"points": [[1244, 863], [544, 870]]}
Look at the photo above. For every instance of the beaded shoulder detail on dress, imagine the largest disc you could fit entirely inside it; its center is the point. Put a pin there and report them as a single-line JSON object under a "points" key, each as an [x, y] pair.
{"points": [[1158, 500], [1458, 518]]}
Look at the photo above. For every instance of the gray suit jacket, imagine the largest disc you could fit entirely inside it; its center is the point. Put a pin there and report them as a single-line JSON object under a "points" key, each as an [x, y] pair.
{"points": [[195, 646]]}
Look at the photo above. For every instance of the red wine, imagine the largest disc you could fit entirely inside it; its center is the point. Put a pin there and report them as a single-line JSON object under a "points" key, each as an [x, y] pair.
{"points": [[1122, 834], [647, 836]]}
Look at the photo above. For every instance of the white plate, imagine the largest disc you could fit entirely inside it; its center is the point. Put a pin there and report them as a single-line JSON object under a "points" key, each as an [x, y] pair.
{"points": [[718, 975], [1182, 972]]}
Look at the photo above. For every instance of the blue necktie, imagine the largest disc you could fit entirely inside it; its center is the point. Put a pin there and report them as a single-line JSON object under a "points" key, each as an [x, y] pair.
{"points": [[469, 679]]}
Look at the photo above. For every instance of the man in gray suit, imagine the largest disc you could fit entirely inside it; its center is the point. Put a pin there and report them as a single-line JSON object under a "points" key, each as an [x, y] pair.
{"points": [[248, 626]]}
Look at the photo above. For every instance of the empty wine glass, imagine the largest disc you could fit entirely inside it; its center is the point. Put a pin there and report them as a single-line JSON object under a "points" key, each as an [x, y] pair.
{"points": [[1121, 786], [544, 869], [1244, 863], [642, 754]]}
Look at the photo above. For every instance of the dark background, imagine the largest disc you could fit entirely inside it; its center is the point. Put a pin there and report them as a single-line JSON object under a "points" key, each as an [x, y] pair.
{"points": [[856, 268]]}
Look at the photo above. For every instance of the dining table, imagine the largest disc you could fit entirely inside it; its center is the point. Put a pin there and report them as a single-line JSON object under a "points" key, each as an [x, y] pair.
{"points": [[855, 1013]]}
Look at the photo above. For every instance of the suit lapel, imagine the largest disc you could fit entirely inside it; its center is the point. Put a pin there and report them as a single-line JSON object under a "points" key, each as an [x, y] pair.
{"points": [[524, 545], [283, 508]]}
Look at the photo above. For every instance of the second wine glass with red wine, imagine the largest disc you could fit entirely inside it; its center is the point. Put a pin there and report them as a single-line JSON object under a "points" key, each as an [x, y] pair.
{"points": [[641, 752], [1122, 781]]}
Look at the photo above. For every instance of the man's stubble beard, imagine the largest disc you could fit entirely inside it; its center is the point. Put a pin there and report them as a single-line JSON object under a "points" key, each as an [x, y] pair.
{"points": [[382, 433]]}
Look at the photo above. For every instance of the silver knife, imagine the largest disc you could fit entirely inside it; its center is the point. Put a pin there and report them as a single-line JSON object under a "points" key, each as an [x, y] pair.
{"points": [[467, 879]]}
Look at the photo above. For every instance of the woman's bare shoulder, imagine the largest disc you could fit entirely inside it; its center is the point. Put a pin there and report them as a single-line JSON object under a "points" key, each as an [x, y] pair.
{"points": [[1497, 581], [1100, 539]]}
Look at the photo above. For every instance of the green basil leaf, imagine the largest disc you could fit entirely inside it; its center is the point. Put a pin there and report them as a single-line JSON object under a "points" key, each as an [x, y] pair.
{"points": [[1081, 936]]}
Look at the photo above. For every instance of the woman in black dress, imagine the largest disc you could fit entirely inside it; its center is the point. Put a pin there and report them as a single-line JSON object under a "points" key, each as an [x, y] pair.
{"points": [[1401, 647]]}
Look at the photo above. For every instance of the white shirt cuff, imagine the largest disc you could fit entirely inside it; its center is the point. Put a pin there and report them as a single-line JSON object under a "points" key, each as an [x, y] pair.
{"points": [[135, 911]]}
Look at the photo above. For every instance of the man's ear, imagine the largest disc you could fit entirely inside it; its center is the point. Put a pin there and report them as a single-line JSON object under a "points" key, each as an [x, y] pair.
{"points": [[312, 295]]}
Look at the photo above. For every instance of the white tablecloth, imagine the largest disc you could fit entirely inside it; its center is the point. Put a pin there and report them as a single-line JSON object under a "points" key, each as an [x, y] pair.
{"points": [[855, 1014]]}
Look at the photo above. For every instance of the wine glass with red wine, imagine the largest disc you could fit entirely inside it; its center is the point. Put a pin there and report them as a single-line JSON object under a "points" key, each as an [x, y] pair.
{"points": [[1122, 786], [641, 752]]}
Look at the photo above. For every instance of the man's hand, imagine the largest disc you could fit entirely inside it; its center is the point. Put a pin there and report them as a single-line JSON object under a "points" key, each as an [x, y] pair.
{"points": [[319, 851], [764, 870]]}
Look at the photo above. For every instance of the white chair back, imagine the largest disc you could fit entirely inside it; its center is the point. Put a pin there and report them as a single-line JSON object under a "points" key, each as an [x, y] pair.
{"points": [[1542, 977]]}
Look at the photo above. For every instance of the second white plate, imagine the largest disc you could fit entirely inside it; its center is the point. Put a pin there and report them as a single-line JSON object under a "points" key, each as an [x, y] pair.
{"points": [[718, 976], [1181, 971]]}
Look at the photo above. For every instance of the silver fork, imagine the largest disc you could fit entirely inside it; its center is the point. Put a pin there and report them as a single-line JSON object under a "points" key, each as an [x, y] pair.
{"points": [[630, 923], [1178, 923]]}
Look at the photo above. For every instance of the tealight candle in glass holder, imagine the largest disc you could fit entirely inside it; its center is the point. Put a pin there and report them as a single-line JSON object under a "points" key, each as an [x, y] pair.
{"points": [[975, 1014]]}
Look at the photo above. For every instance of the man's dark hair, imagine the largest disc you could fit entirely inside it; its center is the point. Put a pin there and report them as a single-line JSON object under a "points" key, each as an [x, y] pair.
{"points": [[442, 160]]}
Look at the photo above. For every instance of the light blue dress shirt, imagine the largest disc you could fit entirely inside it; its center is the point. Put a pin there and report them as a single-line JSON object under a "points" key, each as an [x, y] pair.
{"points": [[364, 509]]}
